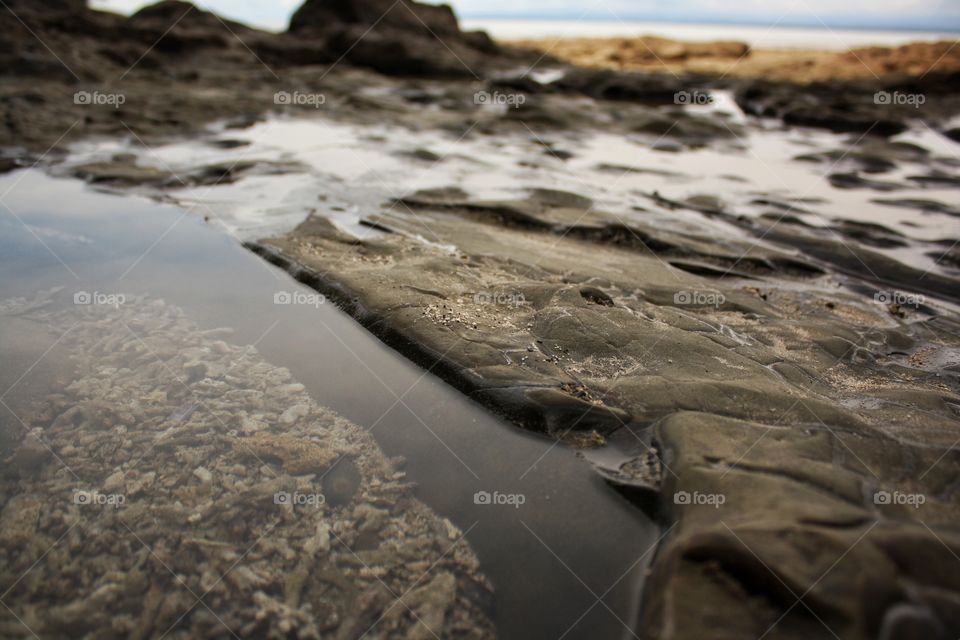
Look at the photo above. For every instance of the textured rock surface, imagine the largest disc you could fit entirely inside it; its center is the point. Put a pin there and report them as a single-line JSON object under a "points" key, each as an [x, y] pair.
{"points": [[784, 414]]}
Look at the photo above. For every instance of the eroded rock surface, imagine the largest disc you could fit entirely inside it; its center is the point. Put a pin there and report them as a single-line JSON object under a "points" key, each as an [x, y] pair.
{"points": [[795, 415]]}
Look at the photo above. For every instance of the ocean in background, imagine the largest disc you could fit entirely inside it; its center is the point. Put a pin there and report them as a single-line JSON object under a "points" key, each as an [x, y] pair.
{"points": [[757, 36]]}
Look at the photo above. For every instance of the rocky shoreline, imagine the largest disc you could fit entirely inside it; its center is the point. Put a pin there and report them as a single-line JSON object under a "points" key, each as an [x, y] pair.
{"points": [[415, 71], [797, 407]]}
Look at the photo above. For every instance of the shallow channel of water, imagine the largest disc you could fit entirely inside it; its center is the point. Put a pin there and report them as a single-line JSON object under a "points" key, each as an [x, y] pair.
{"points": [[568, 562]]}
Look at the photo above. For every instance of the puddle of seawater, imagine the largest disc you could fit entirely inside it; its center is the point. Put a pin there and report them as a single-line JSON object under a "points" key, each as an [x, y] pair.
{"points": [[350, 172], [573, 543]]}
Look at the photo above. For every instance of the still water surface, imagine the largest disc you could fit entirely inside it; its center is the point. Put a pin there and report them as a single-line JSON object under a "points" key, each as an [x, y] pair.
{"points": [[550, 560]]}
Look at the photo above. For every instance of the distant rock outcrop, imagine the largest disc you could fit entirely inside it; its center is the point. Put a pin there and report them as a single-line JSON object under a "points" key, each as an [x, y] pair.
{"points": [[410, 17], [399, 38], [396, 38], [182, 27], [47, 6]]}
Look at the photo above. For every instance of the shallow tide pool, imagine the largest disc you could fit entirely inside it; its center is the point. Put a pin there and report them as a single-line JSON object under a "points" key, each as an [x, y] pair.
{"points": [[567, 562]]}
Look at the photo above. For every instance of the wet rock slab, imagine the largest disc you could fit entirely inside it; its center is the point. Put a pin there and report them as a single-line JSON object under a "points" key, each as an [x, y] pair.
{"points": [[123, 171], [794, 414], [178, 485]]}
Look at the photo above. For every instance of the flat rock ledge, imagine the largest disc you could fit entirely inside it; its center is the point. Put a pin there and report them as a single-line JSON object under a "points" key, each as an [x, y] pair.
{"points": [[804, 434]]}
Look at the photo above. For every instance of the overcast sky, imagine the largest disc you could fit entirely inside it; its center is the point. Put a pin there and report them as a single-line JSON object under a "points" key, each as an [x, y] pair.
{"points": [[934, 14]]}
